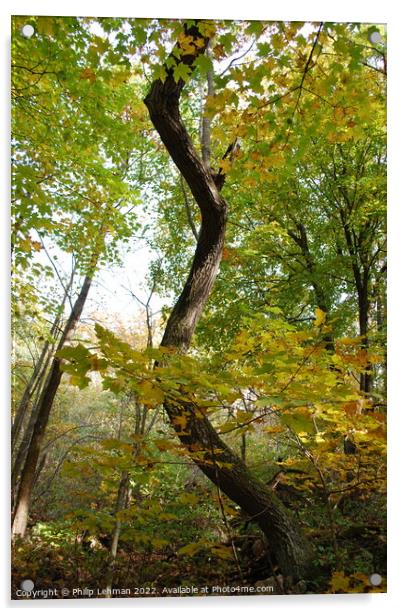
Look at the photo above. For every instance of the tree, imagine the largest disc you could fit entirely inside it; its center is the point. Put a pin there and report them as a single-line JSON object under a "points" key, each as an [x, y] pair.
{"points": [[225, 469]]}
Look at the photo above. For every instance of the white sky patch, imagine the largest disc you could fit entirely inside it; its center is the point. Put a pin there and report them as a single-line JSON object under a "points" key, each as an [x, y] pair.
{"points": [[111, 291]]}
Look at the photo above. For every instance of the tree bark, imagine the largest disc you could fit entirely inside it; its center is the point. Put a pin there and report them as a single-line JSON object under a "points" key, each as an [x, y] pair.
{"points": [[206, 120], [27, 395], [45, 403], [121, 503], [361, 277], [286, 540], [363, 304], [34, 386], [38, 372]]}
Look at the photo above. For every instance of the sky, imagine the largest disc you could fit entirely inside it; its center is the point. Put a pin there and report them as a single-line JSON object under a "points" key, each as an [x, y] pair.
{"points": [[111, 297], [111, 293]]}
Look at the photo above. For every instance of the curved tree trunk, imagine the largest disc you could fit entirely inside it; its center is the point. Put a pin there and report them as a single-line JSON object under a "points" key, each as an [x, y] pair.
{"points": [[286, 540]]}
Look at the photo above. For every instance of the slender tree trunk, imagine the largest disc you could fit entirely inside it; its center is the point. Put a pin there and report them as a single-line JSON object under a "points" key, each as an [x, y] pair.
{"points": [[35, 385], [361, 277], [40, 368], [45, 403], [381, 324], [124, 490], [206, 120], [243, 448], [120, 504], [366, 380], [20, 456], [287, 541], [26, 397]]}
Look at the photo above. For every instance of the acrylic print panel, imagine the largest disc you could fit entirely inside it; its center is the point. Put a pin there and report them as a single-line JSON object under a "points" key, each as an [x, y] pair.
{"points": [[199, 310]]}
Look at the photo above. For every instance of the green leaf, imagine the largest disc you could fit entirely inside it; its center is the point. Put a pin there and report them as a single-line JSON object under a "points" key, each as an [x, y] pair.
{"points": [[181, 71], [298, 422], [204, 63]]}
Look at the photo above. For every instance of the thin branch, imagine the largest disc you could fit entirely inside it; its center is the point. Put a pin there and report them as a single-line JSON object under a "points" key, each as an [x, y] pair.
{"points": [[237, 59]]}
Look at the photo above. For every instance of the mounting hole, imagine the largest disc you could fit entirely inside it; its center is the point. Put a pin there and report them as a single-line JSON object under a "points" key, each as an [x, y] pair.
{"points": [[27, 585], [375, 579], [375, 37], [28, 30]]}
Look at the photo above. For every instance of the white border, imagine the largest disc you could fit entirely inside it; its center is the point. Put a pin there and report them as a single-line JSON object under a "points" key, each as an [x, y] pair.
{"points": [[340, 10]]}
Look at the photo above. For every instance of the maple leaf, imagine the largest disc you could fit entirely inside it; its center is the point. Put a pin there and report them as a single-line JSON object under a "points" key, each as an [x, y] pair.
{"points": [[181, 71], [320, 317]]}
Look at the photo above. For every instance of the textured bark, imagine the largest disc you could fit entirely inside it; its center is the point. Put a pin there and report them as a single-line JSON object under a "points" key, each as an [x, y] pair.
{"points": [[361, 277], [34, 387], [206, 120], [121, 503], [26, 401], [45, 403], [38, 373], [27, 395], [286, 540]]}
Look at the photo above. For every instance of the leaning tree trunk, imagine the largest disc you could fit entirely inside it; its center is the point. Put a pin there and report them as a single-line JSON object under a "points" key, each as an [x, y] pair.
{"points": [[32, 385], [44, 362], [28, 473], [36, 379], [286, 540]]}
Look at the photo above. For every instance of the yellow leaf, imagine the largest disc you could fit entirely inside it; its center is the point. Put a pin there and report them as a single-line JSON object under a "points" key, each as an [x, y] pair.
{"points": [[199, 42], [274, 429], [339, 582], [225, 165], [223, 551], [149, 394], [45, 25], [320, 317], [349, 340], [25, 245], [207, 28], [277, 42], [191, 548], [180, 420], [187, 44]]}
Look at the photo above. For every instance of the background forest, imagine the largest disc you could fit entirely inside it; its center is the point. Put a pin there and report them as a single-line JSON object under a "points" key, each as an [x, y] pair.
{"points": [[199, 305]]}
